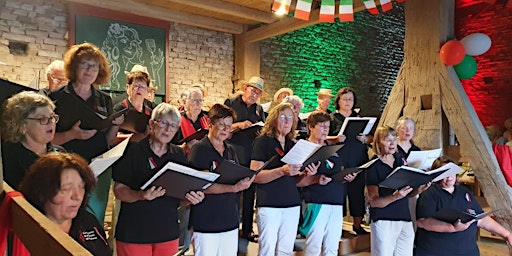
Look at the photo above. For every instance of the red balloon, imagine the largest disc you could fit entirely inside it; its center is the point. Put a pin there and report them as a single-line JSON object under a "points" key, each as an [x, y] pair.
{"points": [[452, 52]]}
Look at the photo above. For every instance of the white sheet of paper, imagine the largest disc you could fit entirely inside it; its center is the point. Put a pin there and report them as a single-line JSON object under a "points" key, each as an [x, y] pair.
{"points": [[302, 150], [453, 170], [260, 123], [100, 163], [367, 129], [423, 159], [266, 106]]}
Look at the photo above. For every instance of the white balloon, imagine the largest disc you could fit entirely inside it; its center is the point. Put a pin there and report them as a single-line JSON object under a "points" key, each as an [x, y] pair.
{"points": [[476, 43]]}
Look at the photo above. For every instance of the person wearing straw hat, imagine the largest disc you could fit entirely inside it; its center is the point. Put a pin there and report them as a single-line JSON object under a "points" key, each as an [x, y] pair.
{"points": [[248, 112], [324, 97], [278, 98]]}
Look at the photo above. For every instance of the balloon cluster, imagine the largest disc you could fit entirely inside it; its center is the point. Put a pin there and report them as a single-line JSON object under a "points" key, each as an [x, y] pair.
{"points": [[459, 54]]}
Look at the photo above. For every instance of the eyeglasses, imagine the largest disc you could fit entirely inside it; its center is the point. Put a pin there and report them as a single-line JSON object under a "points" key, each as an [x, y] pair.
{"points": [[58, 80], [165, 124], [284, 117], [223, 127], [45, 120], [85, 65], [196, 101], [139, 86], [326, 127], [254, 91], [347, 99]]}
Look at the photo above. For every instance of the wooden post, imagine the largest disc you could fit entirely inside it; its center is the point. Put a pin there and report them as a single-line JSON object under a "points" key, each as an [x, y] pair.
{"points": [[247, 58], [425, 88]]}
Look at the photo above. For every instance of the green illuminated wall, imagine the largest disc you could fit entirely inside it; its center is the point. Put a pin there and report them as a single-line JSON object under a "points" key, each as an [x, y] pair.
{"points": [[365, 54]]}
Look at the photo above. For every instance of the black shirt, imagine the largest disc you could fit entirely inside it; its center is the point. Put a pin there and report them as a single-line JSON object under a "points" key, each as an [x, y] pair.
{"points": [[254, 113], [281, 192], [146, 222], [333, 192], [17, 159], [99, 102], [197, 126], [353, 152], [88, 232], [397, 210], [217, 212], [453, 243], [401, 154]]}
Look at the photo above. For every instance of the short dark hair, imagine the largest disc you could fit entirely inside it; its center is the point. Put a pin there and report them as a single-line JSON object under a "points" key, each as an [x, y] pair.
{"points": [[340, 93], [317, 116], [220, 111], [440, 161], [42, 182], [137, 75]]}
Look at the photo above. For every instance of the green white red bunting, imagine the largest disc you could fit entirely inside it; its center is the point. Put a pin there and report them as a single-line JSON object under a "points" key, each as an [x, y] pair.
{"points": [[346, 10], [303, 9], [371, 7], [327, 11], [281, 5]]}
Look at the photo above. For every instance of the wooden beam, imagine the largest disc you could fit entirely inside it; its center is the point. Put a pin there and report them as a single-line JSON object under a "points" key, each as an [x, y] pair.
{"points": [[290, 24], [133, 7], [230, 9], [39, 235], [247, 58]]}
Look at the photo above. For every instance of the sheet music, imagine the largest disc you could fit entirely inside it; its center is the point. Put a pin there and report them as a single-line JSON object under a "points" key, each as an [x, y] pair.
{"points": [[100, 163], [302, 150], [260, 123], [453, 169], [423, 159]]}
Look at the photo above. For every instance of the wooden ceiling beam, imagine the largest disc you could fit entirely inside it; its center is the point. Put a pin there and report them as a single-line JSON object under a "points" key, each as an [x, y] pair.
{"points": [[290, 24], [232, 9], [133, 7]]}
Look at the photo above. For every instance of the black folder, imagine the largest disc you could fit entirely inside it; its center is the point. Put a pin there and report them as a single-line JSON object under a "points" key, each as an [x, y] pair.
{"points": [[451, 215], [249, 132], [322, 154], [199, 134], [231, 173], [75, 109], [135, 121], [340, 176], [353, 126], [408, 176], [178, 180], [8, 89]]}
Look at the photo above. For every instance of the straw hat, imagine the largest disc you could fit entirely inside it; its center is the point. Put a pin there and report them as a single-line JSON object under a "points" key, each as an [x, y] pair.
{"points": [[139, 68], [255, 82], [324, 92], [287, 90]]}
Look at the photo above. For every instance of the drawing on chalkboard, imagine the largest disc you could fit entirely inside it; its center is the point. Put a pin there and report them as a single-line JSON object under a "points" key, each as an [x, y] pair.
{"points": [[124, 48]]}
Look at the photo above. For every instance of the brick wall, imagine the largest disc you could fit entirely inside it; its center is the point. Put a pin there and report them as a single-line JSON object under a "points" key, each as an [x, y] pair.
{"points": [[196, 55], [490, 90], [365, 54]]}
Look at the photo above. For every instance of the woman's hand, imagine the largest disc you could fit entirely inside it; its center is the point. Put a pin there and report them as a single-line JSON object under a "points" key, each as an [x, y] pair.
{"points": [[79, 134], [323, 180], [242, 125], [244, 184], [341, 138], [291, 169], [350, 177], [195, 197], [118, 121], [152, 193], [362, 138], [424, 187], [399, 194], [459, 226], [312, 168]]}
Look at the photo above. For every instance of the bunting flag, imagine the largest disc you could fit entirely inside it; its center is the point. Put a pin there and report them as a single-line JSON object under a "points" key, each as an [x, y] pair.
{"points": [[327, 11], [399, 1], [346, 10], [370, 5], [303, 9], [281, 6], [386, 5], [151, 163]]}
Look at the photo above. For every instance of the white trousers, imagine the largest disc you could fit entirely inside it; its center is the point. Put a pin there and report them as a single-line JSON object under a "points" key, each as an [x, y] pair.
{"points": [[325, 233], [277, 228], [219, 244], [392, 238]]}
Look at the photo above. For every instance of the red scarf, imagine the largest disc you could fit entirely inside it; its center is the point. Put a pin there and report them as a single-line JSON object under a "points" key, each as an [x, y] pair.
{"points": [[187, 128], [18, 249]]}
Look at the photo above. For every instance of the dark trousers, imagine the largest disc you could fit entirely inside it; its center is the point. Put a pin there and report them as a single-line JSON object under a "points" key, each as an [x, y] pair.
{"points": [[248, 196], [356, 196]]}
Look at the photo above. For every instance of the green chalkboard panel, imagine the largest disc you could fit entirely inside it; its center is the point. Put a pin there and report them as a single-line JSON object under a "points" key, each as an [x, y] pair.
{"points": [[125, 44]]}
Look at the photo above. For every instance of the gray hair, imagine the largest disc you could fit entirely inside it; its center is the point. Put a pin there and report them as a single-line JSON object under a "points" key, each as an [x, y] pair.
{"points": [[294, 99], [166, 109], [185, 93], [56, 64], [194, 89]]}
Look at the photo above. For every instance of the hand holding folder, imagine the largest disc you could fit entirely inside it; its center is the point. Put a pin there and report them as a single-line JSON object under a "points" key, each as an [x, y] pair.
{"points": [[135, 121], [231, 173], [178, 180], [340, 176], [305, 152], [451, 215]]}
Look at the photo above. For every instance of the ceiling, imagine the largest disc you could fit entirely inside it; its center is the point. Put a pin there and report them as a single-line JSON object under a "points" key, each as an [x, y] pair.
{"points": [[252, 17]]}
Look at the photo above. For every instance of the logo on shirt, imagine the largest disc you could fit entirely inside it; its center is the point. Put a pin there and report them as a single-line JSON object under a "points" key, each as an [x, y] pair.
{"points": [[151, 163], [329, 164], [214, 166], [279, 151], [468, 197]]}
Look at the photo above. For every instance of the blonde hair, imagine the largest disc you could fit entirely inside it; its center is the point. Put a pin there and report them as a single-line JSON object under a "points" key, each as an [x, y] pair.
{"points": [[270, 128], [380, 134]]}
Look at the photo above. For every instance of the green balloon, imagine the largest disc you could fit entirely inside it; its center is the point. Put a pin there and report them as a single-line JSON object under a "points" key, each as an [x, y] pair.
{"points": [[467, 68]]}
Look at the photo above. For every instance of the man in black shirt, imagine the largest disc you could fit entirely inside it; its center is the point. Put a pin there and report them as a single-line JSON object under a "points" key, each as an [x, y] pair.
{"points": [[248, 112]]}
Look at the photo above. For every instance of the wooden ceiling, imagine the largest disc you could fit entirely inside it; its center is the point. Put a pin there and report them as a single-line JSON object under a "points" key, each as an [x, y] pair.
{"points": [[231, 16]]}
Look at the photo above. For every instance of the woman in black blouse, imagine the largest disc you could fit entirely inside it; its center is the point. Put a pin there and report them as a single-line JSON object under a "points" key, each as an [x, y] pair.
{"points": [[406, 129]]}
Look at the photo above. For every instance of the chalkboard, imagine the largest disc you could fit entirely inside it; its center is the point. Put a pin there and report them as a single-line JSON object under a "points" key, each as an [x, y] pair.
{"points": [[126, 39]]}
